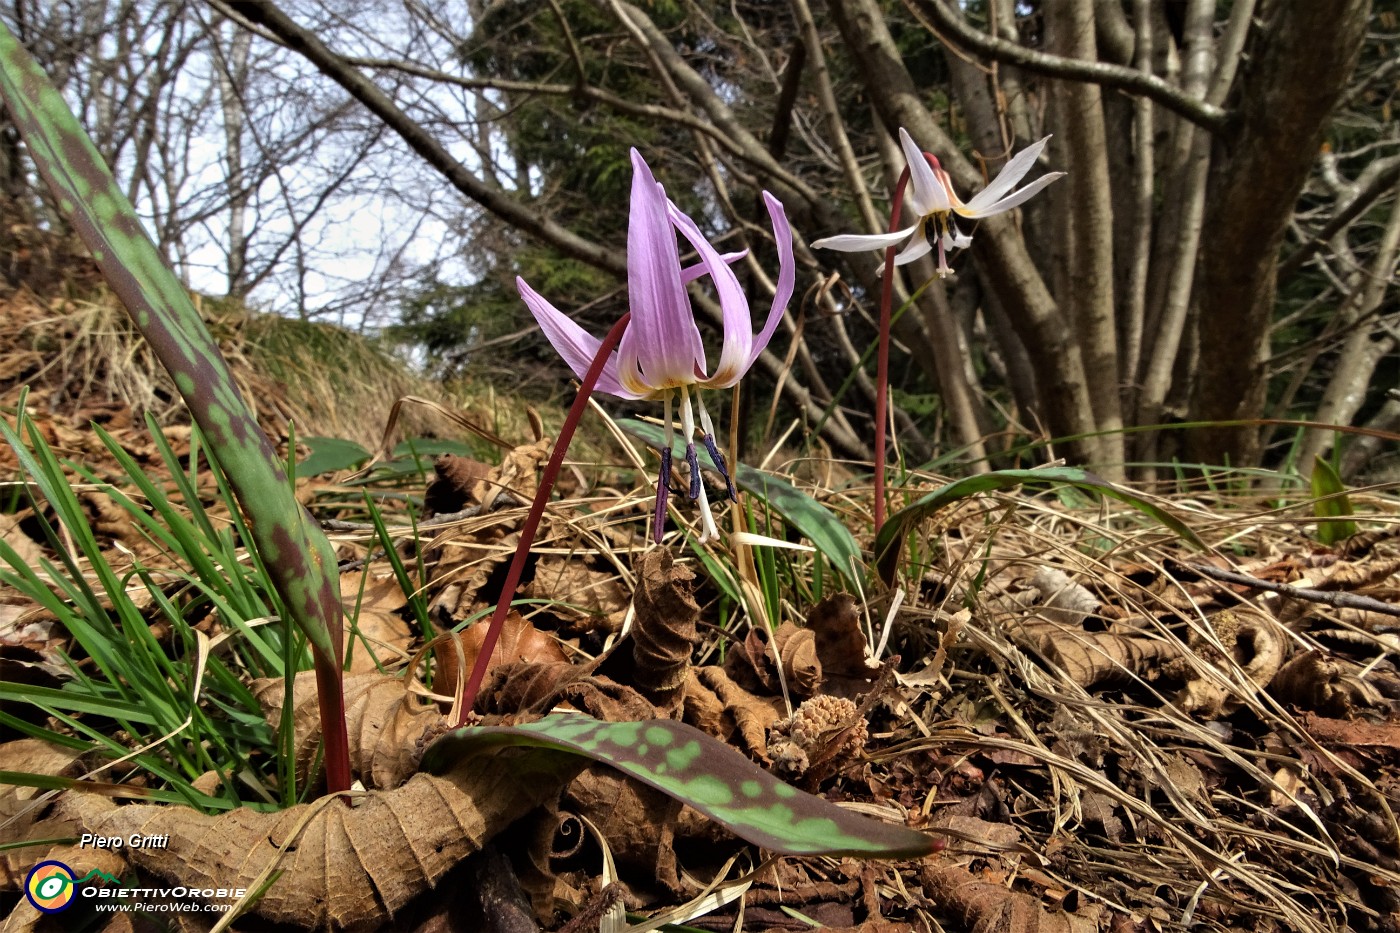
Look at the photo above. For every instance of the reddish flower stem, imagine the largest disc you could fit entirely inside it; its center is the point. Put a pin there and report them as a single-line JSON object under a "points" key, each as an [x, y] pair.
{"points": [[330, 692], [882, 358], [472, 687]]}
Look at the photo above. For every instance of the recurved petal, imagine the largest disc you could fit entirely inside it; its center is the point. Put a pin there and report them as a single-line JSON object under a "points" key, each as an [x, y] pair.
{"points": [[985, 202], [1015, 199], [574, 344], [691, 273], [787, 276], [860, 242], [926, 195], [662, 340], [737, 323]]}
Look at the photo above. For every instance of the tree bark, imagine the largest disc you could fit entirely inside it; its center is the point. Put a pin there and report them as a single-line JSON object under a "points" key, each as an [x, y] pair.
{"points": [[1299, 58]]}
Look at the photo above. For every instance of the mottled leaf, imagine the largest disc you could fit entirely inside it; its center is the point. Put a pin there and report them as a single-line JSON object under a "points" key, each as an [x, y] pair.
{"points": [[685, 763], [889, 542], [298, 557]]}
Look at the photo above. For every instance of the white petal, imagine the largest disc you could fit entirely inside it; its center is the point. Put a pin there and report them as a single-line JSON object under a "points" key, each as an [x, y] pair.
{"points": [[983, 201], [915, 250], [925, 195], [859, 242], [1013, 200]]}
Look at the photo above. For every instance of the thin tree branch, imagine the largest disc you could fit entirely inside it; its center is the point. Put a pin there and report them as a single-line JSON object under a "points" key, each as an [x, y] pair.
{"points": [[952, 27], [1386, 173]]}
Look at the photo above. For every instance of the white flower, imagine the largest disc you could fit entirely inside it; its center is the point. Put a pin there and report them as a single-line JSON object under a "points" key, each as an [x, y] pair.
{"points": [[932, 198]]}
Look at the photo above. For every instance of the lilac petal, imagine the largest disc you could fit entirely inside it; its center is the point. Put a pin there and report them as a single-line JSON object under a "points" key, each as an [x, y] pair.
{"points": [[691, 273], [926, 195], [737, 321], [984, 201], [787, 276], [860, 242], [662, 345], [574, 344]]}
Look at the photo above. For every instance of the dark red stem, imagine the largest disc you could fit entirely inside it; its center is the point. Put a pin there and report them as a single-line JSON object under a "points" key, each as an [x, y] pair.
{"points": [[330, 692], [882, 358], [472, 686]]}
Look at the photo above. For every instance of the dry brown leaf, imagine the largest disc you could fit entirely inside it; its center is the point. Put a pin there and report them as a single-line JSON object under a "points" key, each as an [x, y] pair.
{"points": [[518, 473], [1332, 686], [983, 905], [519, 641], [384, 722], [663, 632], [1254, 642], [534, 689], [345, 868], [638, 822], [22, 817], [376, 636], [587, 600], [847, 668], [451, 488], [720, 706], [1100, 660], [12, 534], [750, 663]]}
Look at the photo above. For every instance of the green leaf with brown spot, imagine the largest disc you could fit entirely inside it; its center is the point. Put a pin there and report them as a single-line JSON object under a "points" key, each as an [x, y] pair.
{"points": [[699, 770], [299, 559]]}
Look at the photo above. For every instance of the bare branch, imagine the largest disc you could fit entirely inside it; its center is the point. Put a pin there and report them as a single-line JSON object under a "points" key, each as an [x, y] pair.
{"points": [[954, 29]]}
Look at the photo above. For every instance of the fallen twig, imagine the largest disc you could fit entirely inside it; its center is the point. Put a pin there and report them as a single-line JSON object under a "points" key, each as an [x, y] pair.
{"points": [[1337, 600]]}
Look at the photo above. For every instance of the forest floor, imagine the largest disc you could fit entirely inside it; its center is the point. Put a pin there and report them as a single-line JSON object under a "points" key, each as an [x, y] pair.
{"points": [[1107, 735]]}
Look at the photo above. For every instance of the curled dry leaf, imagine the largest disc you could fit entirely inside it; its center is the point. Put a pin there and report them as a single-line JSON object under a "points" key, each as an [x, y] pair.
{"points": [[638, 822], [750, 663], [1254, 643], [1328, 685], [717, 705], [344, 868], [518, 472], [1061, 598], [663, 633], [986, 905], [531, 689], [519, 641], [385, 724], [451, 488]]}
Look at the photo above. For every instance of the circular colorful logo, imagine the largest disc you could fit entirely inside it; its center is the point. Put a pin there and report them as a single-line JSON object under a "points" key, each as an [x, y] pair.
{"points": [[50, 887]]}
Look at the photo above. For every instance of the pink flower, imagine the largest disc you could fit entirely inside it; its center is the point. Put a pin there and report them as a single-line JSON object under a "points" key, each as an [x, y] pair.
{"points": [[661, 354]]}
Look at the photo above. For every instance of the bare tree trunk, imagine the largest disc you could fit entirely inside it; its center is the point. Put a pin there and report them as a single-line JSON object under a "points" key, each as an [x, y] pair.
{"points": [[1070, 31], [233, 82], [1299, 59]]}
